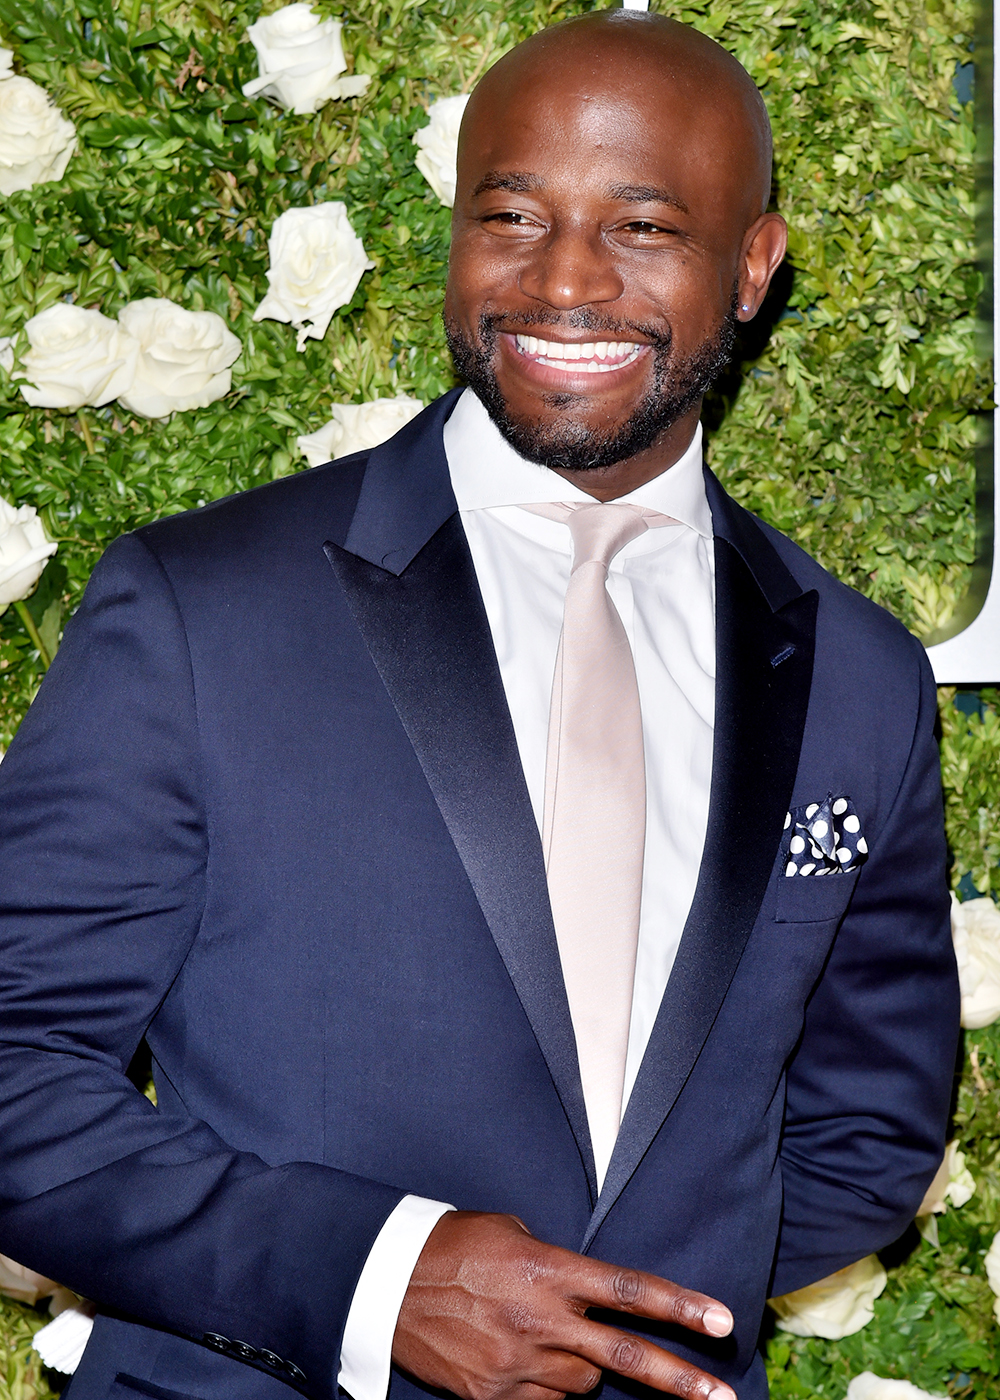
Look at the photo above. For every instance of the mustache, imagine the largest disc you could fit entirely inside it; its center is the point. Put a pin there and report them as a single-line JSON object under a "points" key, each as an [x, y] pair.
{"points": [[583, 318]]}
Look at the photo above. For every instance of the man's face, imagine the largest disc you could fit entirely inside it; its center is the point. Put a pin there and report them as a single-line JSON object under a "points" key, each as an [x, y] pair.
{"points": [[596, 249]]}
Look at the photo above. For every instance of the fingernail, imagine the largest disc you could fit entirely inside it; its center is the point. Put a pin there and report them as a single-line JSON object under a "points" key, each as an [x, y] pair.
{"points": [[721, 1392], [718, 1321]]}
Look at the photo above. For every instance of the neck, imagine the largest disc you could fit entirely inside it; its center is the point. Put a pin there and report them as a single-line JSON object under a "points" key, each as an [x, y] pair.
{"points": [[608, 483]]}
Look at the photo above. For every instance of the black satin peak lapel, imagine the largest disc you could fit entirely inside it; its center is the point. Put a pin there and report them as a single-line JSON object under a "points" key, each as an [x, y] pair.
{"points": [[427, 633], [764, 672]]}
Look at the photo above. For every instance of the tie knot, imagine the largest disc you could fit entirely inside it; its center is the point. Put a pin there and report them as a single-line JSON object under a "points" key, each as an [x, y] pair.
{"points": [[599, 531]]}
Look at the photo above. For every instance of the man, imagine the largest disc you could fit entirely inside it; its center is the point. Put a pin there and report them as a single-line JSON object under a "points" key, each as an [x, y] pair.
{"points": [[278, 807]]}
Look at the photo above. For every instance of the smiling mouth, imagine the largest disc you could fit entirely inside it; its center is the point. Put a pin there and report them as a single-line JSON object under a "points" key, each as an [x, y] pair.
{"points": [[589, 357]]}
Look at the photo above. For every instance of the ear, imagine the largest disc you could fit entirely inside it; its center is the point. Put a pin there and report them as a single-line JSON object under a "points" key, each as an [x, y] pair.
{"points": [[763, 248]]}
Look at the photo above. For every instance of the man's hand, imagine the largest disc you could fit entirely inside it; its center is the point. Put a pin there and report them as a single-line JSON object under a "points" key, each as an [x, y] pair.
{"points": [[492, 1313]]}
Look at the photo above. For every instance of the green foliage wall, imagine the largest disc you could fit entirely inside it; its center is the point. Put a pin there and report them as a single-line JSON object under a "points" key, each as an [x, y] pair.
{"points": [[850, 424]]}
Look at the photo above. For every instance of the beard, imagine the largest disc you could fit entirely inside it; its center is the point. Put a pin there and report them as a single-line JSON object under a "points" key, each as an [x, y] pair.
{"points": [[677, 385]]}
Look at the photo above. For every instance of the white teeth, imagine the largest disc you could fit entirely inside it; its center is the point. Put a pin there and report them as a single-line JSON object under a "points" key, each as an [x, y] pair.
{"points": [[590, 366], [554, 352]]}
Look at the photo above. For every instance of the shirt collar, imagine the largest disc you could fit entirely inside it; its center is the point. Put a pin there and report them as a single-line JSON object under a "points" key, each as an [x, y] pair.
{"points": [[487, 472]]}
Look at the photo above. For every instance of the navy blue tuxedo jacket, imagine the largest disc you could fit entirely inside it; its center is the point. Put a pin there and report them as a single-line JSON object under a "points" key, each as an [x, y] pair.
{"points": [[268, 811]]}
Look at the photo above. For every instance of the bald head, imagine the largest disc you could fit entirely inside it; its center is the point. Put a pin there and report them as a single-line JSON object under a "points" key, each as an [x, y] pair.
{"points": [[610, 229], [633, 52]]}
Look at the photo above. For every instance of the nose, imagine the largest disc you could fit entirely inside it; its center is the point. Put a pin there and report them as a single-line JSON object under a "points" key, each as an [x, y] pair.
{"points": [[572, 267]]}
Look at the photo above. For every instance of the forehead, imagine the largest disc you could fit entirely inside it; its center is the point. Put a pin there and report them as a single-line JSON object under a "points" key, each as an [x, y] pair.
{"points": [[588, 130]]}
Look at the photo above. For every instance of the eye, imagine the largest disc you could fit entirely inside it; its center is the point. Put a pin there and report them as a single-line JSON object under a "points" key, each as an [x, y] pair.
{"points": [[643, 226], [509, 217]]}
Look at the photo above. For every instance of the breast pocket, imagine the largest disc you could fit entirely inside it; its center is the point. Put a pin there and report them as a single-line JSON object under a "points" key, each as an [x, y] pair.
{"points": [[809, 899]]}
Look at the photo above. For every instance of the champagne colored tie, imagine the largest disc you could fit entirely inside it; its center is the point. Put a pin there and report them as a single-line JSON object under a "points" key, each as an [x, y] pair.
{"points": [[594, 824]]}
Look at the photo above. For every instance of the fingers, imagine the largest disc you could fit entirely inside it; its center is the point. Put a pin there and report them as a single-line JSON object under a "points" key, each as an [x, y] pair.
{"points": [[492, 1313], [644, 1295], [639, 1360]]}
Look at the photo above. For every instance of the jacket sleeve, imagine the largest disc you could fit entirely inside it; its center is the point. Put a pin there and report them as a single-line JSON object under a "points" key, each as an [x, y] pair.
{"points": [[869, 1088], [103, 844]]}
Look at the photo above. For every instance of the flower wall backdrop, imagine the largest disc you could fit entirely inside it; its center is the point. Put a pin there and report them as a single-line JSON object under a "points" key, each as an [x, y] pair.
{"points": [[223, 238]]}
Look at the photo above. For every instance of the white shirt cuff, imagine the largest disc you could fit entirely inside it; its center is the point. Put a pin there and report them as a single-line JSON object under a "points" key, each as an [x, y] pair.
{"points": [[366, 1352]]}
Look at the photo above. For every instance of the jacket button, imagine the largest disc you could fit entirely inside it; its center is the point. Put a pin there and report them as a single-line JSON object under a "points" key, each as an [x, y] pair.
{"points": [[244, 1351], [293, 1371], [216, 1341], [270, 1359]]}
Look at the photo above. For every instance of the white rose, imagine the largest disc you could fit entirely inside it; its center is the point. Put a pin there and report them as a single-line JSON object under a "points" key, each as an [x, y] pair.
{"points": [[7, 353], [834, 1307], [299, 59], [6, 63], [317, 261], [357, 426], [184, 357], [868, 1386], [992, 1265], [975, 928], [953, 1182], [77, 357], [438, 144], [24, 1284], [36, 140], [24, 552]]}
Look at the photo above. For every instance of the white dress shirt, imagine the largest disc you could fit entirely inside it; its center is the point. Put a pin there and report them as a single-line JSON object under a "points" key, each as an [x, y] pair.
{"points": [[662, 584]]}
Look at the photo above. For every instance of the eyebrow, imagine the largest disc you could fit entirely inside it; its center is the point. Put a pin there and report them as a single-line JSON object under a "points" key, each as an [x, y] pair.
{"points": [[514, 181], [647, 194], [520, 182]]}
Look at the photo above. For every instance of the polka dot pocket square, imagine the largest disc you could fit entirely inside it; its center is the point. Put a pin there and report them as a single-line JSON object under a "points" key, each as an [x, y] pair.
{"points": [[823, 838]]}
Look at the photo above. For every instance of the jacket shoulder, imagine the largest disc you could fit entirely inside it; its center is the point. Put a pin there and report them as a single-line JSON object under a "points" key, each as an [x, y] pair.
{"points": [[311, 506]]}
